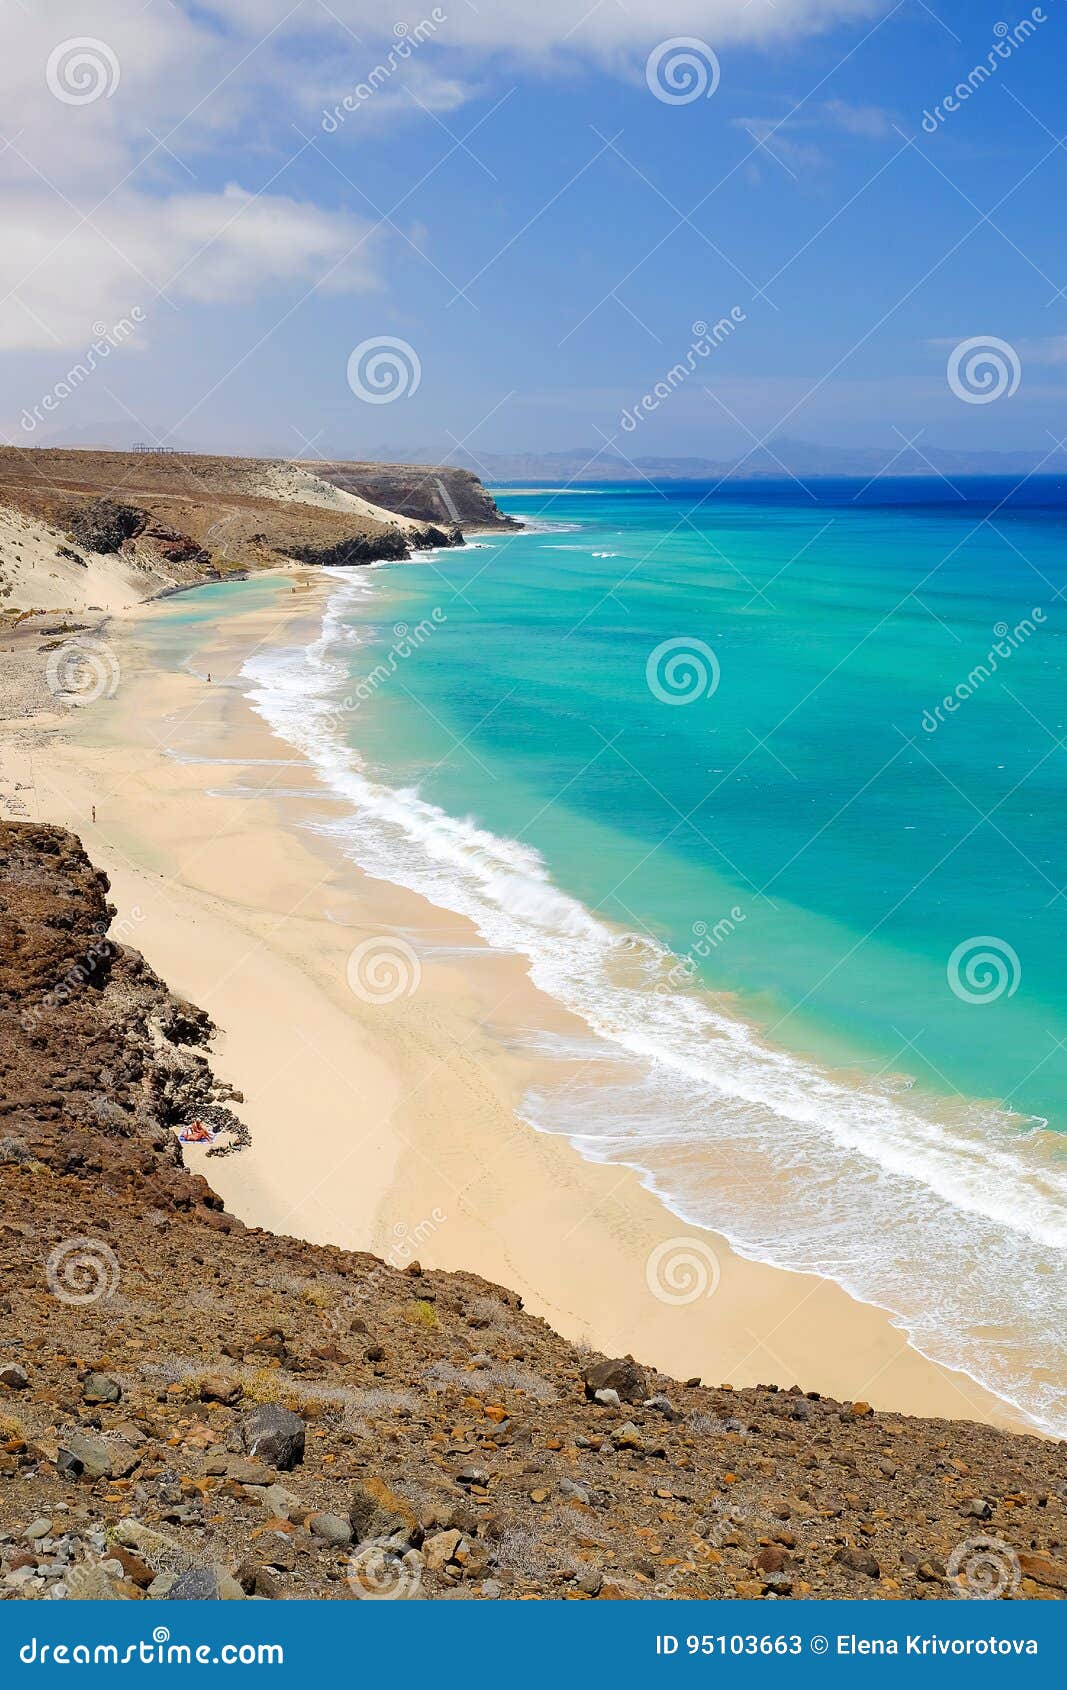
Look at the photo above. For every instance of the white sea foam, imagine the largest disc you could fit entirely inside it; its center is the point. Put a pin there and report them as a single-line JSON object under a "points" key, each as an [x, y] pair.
{"points": [[951, 1216], [541, 525]]}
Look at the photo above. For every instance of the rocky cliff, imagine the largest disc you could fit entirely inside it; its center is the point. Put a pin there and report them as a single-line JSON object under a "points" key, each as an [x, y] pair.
{"points": [[97, 530], [192, 1409], [442, 495]]}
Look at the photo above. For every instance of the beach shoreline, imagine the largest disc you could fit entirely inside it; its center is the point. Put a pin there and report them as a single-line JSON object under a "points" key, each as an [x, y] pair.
{"points": [[392, 1126]]}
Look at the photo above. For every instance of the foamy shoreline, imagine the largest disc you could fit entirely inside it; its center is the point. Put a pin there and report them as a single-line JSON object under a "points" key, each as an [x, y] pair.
{"points": [[370, 1120]]}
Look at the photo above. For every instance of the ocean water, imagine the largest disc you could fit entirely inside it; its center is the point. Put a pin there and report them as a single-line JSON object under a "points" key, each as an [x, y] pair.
{"points": [[687, 751]]}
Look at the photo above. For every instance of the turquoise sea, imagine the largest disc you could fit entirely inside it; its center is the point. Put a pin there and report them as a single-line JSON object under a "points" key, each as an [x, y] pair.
{"points": [[687, 750]]}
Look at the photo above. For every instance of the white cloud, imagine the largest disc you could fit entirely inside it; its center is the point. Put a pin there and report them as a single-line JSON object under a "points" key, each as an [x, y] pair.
{"points": [[354, 104], [874, 122], [189, 76], [155, 61], [92, 222], [1050, 350], [782, 137], [773, 136], [58, 278], [1044, 349], [567, 26]]}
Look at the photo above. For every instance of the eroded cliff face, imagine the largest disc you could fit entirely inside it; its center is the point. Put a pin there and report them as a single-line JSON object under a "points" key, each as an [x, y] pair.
{"points": [[443, 495], [190, 1408], [100, 530], [99, 1061], [360, 549]]}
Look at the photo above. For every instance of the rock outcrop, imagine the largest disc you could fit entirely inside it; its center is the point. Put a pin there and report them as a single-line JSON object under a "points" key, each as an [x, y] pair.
{"points": [[99, 1062], [442, 495], [86, 531]]}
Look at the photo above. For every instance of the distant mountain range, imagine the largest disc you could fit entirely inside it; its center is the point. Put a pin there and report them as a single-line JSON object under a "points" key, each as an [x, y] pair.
{"points": [[779, 459]]}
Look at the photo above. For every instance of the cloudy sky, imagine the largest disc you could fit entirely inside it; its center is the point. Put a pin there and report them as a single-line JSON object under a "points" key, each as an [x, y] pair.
{"points": [[530, 206]]}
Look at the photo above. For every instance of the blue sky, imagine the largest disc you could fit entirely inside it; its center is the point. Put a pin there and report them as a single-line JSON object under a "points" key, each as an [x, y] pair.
{"points": [[514, 202]]}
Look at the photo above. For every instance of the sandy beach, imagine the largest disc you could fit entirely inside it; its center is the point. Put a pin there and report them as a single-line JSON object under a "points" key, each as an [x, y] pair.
{"points": [[384, 1122]]}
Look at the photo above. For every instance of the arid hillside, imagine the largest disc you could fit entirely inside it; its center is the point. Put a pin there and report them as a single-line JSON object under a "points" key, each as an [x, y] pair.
{"points": [[97, 530], [190, 1409]]}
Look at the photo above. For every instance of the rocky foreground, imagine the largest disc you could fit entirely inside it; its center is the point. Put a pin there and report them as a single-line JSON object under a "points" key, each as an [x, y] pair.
{"points": [[192, 1409]]}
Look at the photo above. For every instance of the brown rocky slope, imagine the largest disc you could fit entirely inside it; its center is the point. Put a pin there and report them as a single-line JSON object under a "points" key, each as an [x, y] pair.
{"points": [[174, 519], [192, 1408]]}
